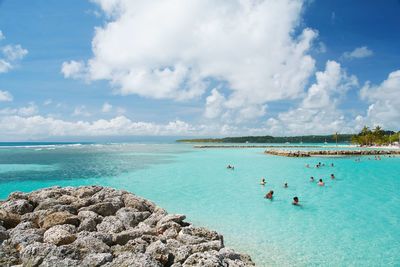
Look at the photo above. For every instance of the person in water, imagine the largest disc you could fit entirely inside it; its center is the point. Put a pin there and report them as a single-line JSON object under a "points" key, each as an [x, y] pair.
{"points": [[321, 183], [269, 195], [332, 165], [332, 176], [263, 182], [312, 179], [285, 185], [296, 201]]}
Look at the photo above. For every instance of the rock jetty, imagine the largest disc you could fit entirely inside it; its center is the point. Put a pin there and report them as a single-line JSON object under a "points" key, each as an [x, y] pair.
{"points": [[101, 226], [300, 154]]}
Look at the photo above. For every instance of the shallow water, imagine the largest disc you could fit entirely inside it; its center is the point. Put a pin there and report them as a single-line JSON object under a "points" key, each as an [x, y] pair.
{"points": [[352, 221]]}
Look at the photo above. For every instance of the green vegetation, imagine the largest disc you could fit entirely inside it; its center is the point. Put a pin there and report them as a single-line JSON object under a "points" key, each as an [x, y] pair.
{"points": [[377, 136], [340, 138]]}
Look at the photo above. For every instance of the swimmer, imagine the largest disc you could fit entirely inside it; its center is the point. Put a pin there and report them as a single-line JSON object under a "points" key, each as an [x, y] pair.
{"points": [[296, 201], [263, 182], [269, 195], [312, 179], [285, 185], [332, 176], [321, 183], [307, 165], [332, 165]]}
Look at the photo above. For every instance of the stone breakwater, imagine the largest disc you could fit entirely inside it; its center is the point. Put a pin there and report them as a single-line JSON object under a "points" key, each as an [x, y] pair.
{"points": [[101, 226], [332, 153]]}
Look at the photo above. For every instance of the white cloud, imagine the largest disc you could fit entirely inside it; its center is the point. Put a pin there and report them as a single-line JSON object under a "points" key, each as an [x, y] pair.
{"points": [[170, 49], [214, 104], [17, 127], [359, 52], [384, 109], [26, 111], [81, 111], [11, 55], [318, 113], [106, 107], [14, 52], [5, 96], [4, 66], [120, 110], [73, 69], [48, 102]]}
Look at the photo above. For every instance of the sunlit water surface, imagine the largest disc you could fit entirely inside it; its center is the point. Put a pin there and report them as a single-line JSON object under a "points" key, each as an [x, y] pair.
{"points": [[353, 221]]}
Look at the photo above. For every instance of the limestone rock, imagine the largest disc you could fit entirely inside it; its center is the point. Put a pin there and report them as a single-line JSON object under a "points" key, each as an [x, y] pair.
{"points": [[56, 218], [60, 234], [18, 206]]}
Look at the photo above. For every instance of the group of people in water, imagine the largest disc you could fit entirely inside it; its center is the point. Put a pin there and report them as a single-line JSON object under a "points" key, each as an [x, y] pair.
{"points": [[296, 200]]}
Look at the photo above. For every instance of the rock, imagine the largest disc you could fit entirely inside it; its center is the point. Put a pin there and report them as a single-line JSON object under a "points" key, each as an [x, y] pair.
{"points": [[33, 254], [9, 219], [130, 217], [110, 224], [112, 228], [137, 203], [104, 208], [104, 237], [137, 245], [131, 259], [87, 225], [86, 191], [56, 218], [207, 246], [177, 218], [54, 261], [89, 220], [235, 259], [96, 259], [159, 251], [23, 238], [207, 259], [9, 256], [90, 244], [18, 206], [3, 235], [195, 235], [17, 195], [60, 234]]}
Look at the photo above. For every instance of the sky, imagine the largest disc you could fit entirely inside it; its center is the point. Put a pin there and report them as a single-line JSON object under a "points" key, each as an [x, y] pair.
{"points": [[77, 68]]}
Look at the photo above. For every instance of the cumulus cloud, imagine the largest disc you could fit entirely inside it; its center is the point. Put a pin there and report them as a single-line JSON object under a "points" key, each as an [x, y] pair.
{"points": [[359, 52], [15, 127], [384, 108], [318, 113], [11, 55], [73, 69], [5, 96], [4, 66], [106, 107], [14, 52], [81, 111], [171, 49], [25, 111]]}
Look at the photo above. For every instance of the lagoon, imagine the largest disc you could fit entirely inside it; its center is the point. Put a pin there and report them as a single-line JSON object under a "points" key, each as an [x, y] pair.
{"points": [[353, 221]]}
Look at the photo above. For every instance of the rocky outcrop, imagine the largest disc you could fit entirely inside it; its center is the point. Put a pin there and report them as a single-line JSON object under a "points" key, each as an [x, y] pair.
{"points": [[101, 226], [287, 153]]}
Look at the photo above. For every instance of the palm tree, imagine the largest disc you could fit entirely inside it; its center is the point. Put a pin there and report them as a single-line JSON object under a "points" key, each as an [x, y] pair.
{"points": [[335, 135]]}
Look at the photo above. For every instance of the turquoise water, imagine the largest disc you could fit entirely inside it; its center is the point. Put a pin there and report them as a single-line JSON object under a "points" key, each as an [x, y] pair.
{"points": [[352, 221]]}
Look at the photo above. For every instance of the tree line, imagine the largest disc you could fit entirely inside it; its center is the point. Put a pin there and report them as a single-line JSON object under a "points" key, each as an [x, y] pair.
{"points": [[376, 136]]}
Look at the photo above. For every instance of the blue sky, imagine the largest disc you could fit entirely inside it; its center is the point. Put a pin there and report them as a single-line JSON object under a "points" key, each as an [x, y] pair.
{"points": [[195, 83]]}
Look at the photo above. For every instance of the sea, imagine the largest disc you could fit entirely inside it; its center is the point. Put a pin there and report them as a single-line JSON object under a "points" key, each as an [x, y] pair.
{"points": [[354, 220]]}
